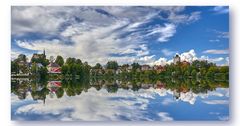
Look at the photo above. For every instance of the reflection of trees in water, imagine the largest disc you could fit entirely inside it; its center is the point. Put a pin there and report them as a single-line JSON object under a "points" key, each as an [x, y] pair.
{"points": [[20, 88], [39, 89]]}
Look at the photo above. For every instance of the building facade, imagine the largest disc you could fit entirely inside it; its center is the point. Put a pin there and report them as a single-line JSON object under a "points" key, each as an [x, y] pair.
{"points": [[176, 59]]}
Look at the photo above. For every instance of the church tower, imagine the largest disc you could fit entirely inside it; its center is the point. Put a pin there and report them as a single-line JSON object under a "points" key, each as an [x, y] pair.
{"points": [[44, 55], [176, 59]]}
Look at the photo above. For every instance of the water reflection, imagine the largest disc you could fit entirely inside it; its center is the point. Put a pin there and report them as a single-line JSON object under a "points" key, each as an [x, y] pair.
{"points": [[111, 99]]}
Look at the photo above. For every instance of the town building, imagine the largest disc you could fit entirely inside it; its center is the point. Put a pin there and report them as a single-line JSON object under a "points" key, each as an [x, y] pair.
{"points": [[22, 63], [185, 63], [39, 65], [145, 67], [118, 71], [130, 67], [158, 68], [39, 56], [176, 59], [54, 68]]}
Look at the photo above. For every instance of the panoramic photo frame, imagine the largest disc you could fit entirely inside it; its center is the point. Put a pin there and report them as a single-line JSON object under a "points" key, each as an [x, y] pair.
{"points": [[120, 63]]}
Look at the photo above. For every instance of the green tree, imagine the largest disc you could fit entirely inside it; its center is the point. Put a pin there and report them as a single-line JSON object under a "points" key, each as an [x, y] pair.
{"points": [[78, 61], [135, 66], [22, 57], [98, 66], [64, 69], [34, 68], [224, 69], [43, 72], [70, 61], [186, 73], [194, 73], [210, 74], [112, 65], [125, 66], [60, 93], [59, 60], [14, 67], [40, 59]]}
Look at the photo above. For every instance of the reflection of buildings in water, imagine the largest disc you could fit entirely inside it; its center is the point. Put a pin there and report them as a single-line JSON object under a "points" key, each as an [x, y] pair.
{"points": [[22, 94], [185, 96], [159, 85], [160, 88], [39, 87], [21, 87], [20, 79], [39, 91], [119, 82], [146, 86], [161, 91], [184, 89], [188, 97], [173, 80], [138, 85], [130, 86], [97, 87], [38, 95], [176, 94], [53, 86]]}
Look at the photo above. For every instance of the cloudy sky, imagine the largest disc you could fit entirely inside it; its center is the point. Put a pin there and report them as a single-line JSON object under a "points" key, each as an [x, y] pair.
{"points": [[148, 35]]}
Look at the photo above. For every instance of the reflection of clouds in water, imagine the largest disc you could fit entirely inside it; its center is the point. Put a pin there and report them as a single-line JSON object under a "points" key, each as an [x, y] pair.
{"points": [[223, 118], [215, 102], [188, 97], [162, 91], [100, 105], [214, 113], [15, 98], [95, 105], [165, 116], [15, 101], [220, 116], [220, 92], [167, 101]]}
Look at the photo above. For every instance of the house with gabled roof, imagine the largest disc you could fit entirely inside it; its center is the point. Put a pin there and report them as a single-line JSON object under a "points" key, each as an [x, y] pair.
{"points": [[53, 68]]}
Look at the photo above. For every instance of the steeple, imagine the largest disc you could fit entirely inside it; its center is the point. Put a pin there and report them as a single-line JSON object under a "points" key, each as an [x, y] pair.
{"points": [[44, 55], [176, 59], [44, 52]]}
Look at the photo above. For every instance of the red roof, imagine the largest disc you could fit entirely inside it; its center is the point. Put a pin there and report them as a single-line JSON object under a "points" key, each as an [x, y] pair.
{"points": [[54, 70], [53, 65], [55, 83]]}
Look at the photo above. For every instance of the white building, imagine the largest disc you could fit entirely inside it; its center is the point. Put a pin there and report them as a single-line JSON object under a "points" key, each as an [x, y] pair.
{"points": [[176, 59]]}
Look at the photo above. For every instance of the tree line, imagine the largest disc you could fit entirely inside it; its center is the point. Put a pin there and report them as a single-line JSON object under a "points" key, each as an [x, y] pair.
{"points": [[76, 68]]}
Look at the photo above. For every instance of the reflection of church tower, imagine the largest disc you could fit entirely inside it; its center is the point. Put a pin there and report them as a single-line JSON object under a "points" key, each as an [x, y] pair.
{"points": [[176, 94], [44, 101]]}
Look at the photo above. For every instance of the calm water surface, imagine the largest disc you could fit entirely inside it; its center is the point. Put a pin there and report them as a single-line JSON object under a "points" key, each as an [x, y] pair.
{"points": [[117, 100]]}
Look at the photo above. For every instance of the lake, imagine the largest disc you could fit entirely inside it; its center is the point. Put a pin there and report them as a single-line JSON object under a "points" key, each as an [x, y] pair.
{"points": [[117, 100]]}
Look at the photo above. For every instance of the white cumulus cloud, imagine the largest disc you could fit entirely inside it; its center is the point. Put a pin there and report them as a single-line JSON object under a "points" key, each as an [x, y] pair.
{"points": [[215, 51]]}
